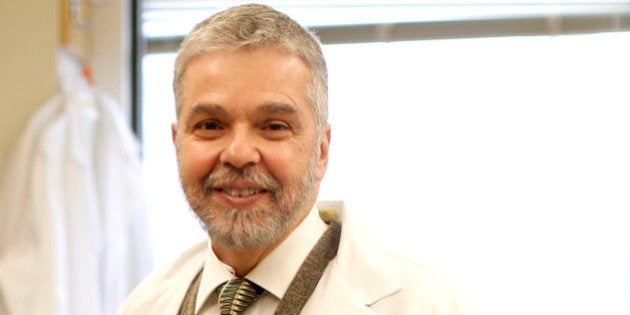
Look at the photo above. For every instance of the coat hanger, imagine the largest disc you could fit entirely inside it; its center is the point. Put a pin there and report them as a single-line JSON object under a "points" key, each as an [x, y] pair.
{"points": [[76, 16], [76, 13]]}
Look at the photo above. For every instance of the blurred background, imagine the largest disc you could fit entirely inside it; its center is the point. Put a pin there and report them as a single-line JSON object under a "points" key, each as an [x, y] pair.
{"points": [[488, 138]]}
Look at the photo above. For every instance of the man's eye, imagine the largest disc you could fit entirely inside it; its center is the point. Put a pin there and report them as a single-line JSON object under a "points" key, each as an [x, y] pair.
{"points": [[276, 130], [208, 129], [277, 126], [209, 125]]}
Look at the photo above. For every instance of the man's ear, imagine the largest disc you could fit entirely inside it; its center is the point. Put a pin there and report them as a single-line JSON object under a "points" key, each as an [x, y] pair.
{"points": [[324, 146], [174, 133]]}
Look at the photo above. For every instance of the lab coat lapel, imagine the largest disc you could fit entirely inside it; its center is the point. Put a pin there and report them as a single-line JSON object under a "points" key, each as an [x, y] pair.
{"points": [[333, 297], [359, 276], [364, 264]]}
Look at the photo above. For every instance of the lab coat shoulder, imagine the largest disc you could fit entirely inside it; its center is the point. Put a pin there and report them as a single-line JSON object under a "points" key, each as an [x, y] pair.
{"points": [[366, 278], [163, 290], [14, 188], [25, 256]]}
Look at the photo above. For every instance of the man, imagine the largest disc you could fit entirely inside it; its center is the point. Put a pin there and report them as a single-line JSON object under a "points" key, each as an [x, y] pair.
{"points": [[252, 144]]}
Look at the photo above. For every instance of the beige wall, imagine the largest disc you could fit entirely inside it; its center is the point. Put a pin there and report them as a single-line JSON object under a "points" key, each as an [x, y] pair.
{"points": [[109, 51], [28, 39], [30, 32]]}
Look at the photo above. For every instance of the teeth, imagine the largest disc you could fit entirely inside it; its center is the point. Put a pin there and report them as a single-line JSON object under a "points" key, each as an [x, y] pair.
{"points": [[241, 192]]}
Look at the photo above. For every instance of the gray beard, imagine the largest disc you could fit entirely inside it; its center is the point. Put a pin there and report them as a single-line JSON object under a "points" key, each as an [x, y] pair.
{"points": [[257, 227]]}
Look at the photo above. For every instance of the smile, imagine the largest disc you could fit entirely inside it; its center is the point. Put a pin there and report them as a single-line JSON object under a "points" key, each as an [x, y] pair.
{"points": [[241, 192]]}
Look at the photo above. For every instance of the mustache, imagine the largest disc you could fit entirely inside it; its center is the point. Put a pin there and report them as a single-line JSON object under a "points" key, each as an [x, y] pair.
{"points": [[227, 175]]}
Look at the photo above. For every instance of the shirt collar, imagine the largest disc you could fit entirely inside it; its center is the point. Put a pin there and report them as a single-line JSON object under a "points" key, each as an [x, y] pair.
{"points": [[214, 274], [276, 271]]}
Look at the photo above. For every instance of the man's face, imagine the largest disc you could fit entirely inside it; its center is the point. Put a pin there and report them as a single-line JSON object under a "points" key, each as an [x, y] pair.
{"points": [[249, 159]]}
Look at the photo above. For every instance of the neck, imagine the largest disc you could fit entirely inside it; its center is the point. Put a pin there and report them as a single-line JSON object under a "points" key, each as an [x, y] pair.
{"points": [[241, 260]]}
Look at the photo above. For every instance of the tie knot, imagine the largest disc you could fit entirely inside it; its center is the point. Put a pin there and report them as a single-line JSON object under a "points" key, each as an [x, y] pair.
{"points": [[236, 295]]}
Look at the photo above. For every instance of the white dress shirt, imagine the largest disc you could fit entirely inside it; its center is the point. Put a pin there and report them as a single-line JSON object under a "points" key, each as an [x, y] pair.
{"points": [[274, 273]]}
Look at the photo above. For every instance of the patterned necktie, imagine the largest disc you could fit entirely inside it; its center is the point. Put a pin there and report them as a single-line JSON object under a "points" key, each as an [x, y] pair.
{"points": [[301, 287], [236, 295]]}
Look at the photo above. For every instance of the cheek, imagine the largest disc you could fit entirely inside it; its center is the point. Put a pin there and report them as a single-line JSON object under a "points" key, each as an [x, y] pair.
{"points": [[288, 163], [195, 161]]}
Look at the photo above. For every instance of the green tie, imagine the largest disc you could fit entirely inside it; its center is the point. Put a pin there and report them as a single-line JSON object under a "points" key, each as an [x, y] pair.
{"points": [[236, 295]]}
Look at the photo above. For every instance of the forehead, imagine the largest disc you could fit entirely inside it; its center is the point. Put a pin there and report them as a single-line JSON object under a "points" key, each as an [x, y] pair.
{"points": [[249, 76]]}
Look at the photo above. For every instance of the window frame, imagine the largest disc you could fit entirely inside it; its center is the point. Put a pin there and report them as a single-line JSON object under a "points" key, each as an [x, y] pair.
{"points": [[542, 19]]}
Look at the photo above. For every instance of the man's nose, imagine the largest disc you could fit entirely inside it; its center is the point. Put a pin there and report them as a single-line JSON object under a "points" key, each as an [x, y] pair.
{"points": [[241, 150]]}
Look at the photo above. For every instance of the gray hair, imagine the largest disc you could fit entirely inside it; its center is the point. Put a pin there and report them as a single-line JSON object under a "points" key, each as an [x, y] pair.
{"points": [[257, 25]]}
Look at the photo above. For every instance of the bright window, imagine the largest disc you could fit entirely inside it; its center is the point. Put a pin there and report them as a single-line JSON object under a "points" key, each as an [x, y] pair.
{"points": [[503, 161]]}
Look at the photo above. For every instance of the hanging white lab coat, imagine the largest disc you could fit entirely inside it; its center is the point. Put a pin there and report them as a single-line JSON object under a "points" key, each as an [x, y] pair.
{"points": [[73, 231]]}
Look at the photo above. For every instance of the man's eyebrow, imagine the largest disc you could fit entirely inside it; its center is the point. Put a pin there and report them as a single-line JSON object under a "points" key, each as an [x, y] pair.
{"points": [[208, 108], [271, 108], [276, 109]]}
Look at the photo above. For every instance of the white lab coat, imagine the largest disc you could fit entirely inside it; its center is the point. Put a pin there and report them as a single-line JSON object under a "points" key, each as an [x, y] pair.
{"points": [[362, 279], [73, 232]]}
